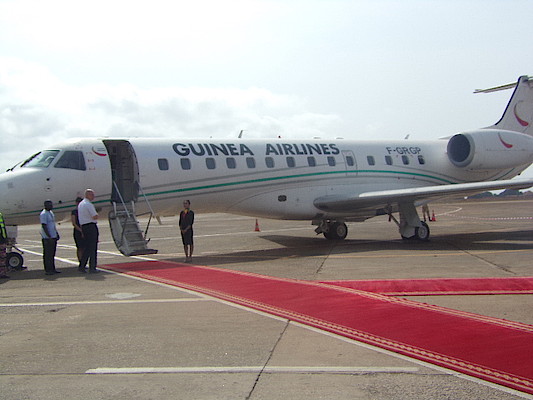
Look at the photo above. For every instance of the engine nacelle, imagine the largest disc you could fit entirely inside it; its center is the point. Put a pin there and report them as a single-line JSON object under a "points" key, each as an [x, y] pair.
{"points": [[490, 149]]}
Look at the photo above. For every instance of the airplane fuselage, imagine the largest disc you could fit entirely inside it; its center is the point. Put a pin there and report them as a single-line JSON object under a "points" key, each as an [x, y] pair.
{"points": [[274, 178]]}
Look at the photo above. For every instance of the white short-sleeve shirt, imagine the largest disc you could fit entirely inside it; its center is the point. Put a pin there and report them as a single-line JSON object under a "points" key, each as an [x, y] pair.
{"points": [[86, 212], [48, 218]]}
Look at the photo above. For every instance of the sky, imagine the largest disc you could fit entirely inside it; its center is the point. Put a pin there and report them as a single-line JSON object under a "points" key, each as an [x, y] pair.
{"points": [[373, 69]]}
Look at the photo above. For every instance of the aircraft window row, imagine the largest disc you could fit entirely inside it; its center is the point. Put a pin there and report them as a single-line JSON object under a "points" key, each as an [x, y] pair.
{"points": [[231, 163], [388, 160]]}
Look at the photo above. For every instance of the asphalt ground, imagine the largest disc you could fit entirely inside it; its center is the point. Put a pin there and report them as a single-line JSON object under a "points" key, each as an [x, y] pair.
{"points": [[110, 336]]}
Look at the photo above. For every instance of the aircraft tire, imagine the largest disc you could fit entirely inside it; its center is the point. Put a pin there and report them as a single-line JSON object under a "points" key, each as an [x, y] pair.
{"points": [[337, 231], [14, 260], [422, 232]]}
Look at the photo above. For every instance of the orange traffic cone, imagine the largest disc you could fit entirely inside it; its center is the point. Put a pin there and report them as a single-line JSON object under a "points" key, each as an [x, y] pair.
{"points": [[433, 219], [257, 226]]}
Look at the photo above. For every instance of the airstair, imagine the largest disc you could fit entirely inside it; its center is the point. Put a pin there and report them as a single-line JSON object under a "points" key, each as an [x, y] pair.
{"points": [[125, 227]]}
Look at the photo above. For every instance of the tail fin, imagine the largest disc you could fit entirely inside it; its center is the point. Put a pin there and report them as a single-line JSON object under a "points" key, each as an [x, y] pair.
{"points": [[518, 115]]}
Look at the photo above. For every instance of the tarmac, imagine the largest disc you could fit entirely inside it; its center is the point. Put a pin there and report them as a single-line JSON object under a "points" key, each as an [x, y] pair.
{"points": [[111, 336]]}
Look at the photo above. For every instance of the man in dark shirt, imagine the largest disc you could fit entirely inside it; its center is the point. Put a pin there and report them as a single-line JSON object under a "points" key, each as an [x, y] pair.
{"points": [[186, 221]]}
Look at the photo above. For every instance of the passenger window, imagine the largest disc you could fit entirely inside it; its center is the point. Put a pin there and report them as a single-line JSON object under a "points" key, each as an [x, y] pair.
{"points": [[311, 161], [331, 161], [210, 163], [350, 161], [71, 160], [250, 162], [370, 160], [269, 161], [163, 164], [405, 160], [231, 163], [185, 163], [388, 160], [290, 162], [41, 160], [421, 160]]}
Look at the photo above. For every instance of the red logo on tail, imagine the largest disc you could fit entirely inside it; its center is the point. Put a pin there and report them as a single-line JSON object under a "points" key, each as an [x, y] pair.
{"points": [[520, 120], [508, 145]]}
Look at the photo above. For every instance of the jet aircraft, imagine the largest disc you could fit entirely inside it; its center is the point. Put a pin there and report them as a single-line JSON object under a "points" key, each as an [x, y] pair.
{"points": [[328, 182]]}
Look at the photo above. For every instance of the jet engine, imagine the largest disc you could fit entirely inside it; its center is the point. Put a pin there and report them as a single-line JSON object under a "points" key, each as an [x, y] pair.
{"points": [[486, 149]]}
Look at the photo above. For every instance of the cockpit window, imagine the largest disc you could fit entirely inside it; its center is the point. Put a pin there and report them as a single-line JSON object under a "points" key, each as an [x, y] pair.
{"points": [[41, 160], [71, 160]]}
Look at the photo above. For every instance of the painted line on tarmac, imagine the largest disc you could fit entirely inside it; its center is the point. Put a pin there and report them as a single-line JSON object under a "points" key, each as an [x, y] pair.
{"points": [[452, 214], [253, 369], [480, 252], [75, 262], [100, 302]]}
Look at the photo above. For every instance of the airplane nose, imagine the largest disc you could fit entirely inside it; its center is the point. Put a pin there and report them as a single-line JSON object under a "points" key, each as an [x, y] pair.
{"points": [[6, 202]]}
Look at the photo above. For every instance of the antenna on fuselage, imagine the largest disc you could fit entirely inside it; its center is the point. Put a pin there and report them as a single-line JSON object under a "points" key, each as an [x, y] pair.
{"points": [[240, 134]]}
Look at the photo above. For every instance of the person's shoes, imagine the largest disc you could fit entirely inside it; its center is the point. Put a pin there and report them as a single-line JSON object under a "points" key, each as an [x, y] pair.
{"points": [[4, 277], [49, 273], [82, 270], [93, 271], [57, 272]]}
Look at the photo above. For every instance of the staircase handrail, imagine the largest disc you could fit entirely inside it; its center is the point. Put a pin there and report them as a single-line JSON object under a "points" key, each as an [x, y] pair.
{"points": [[123, 233], [149, 207]]}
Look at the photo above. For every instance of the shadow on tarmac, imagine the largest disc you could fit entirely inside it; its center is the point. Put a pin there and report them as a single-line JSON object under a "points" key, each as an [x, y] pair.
{"points": [[294, 247], [316, 247]]}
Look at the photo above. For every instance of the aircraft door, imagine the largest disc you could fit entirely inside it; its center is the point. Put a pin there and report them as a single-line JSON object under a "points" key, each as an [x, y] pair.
{"points": [[350, 162], [124, 169]]}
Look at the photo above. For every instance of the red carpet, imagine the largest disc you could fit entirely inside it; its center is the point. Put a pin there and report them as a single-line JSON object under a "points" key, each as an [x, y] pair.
{"points": [[431, 287], [488, 348]]}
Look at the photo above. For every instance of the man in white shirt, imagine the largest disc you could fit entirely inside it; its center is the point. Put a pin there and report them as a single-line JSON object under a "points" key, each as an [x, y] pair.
{"points": [[88, 217], [49, 237]]}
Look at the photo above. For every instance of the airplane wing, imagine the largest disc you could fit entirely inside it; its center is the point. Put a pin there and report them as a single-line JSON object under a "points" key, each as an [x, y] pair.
{"points": [[382, 198]]}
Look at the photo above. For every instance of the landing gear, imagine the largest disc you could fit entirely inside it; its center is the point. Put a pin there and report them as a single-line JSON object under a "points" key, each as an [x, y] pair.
{"points": [[410, 225], [332, 230], [422, 232]]}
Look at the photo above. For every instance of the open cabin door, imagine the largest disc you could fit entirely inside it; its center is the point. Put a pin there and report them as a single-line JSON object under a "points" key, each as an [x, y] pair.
{"points": [[127, 234], [124, 170]]}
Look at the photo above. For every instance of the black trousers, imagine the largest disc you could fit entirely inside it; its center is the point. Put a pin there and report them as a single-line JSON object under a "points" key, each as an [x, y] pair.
{"points": [[49, 253], [90, 232]]}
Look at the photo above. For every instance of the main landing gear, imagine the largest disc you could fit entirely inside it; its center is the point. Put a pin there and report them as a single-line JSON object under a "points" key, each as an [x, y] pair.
{"points": [[410, 225], [332, 229]]}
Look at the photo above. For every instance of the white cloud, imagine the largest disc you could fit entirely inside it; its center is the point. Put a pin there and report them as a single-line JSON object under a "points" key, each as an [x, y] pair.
{"points": [[35, 107]]}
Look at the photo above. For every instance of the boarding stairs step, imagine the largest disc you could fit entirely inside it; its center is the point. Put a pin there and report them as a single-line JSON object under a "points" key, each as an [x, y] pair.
{"points": [[126, 231]]}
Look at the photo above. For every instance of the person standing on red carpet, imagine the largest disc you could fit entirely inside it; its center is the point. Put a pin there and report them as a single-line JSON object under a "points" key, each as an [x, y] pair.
{"points": [[186, 221]]}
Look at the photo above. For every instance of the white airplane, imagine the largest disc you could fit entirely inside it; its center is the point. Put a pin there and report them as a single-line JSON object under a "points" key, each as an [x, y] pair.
{"points": [[328, 182]]}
